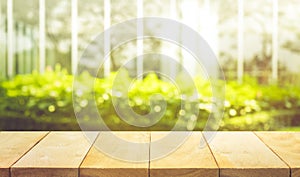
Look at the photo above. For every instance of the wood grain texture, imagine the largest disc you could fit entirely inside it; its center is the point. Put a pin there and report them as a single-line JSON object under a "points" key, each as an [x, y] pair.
{"points": [[243, 154], [67, 154], [13, 145], [189, 160], [286, 145], [59, 154], [98, 164]]}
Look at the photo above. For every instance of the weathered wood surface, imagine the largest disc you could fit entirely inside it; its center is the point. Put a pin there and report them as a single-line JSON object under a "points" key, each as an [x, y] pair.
{"points": [[59, 154], [190, 159], [286, 145], [226, 154], [98, 164], [243, 154], [13, 145]]}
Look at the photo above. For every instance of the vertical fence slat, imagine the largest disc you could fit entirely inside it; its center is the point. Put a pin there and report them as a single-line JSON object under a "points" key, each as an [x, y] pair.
{"points": [[23, 47], [15, 47], [240, 62], [275, 41], [3, 44], [19, 48], [10, 29], [42, 36], [107, 19], [27, 43], [74, 32], [173, 14], [34, 50], [188, 9], [140, 42], [2, 66]]}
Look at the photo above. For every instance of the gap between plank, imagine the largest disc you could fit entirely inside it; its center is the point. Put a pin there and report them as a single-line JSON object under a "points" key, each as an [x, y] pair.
{"points": [[149, 160], [47, 133], [290, 169], [211, 153], [87, 153]]}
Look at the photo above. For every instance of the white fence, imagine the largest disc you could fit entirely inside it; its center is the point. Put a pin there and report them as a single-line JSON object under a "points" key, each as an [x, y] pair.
{"points": [[12, 37]]}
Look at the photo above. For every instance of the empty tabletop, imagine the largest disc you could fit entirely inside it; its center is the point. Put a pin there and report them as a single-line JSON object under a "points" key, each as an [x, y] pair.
{"points": [[116, 154], [243, 154], [13, 145], [59, 154], [189, 158], [286, 145]]}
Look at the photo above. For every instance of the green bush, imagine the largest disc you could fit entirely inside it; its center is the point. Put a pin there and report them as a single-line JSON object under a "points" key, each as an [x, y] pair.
{"points": [[44, 101], [41, 97]]}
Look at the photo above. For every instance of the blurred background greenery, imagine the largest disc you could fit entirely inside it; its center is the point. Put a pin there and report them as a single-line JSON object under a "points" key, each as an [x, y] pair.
{"points": [[44, 101], [256, 42]]}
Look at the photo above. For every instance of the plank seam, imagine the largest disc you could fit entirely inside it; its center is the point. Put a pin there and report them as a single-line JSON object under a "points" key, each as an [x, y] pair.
{"points": [[10, 169], [87, 154], [290, 169], [149, 155], [219, 169]]}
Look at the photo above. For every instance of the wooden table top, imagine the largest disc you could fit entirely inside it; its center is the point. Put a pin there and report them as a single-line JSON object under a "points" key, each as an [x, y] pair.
{"points": [[207, 154]]}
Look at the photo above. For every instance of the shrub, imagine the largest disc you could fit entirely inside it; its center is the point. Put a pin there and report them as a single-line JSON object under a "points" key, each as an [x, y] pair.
{"points": [[44, 101]]}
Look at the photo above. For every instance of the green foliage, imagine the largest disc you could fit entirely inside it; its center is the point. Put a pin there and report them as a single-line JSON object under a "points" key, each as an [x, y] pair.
{"points": [[38, 96], [256, 121], [44, 101]]}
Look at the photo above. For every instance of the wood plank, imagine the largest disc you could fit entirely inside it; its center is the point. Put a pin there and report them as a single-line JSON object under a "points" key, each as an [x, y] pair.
{"points": [[98, 164], [13, 145], [286, 145], [58, 155], [190, 159], [242, 154]]}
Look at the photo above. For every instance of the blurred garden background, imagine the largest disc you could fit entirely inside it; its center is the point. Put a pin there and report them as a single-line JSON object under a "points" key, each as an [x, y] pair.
{"points": [[257, 44]]}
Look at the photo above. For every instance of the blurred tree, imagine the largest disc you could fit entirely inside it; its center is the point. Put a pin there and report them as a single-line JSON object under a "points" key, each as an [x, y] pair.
{"points": [[258, 28], [290, 29]]}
